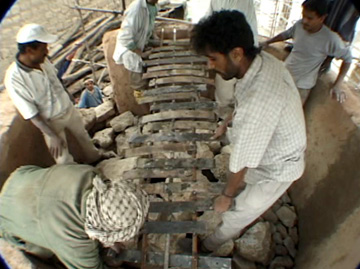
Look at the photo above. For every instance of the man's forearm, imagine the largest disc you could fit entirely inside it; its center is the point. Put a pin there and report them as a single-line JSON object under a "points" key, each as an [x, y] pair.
{"points": [[344, 68], [40, 123], [278, 38], [235, 183]]}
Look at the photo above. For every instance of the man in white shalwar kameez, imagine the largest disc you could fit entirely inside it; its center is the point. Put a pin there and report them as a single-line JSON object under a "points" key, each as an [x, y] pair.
{"points": [[135, 32]]}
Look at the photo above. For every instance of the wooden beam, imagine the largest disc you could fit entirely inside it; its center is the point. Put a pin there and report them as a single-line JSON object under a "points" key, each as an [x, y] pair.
{"points": [[176, 72], [176, 60], [175, 260], [172, 89], [179, 125], [170, 48], [174, 227], [171, 207], [180, 79], [170, 137], [167, 97], [179, 114], [207, 105], [208, 190], [157, 173], [171, 54], [170, 164], [176, 66], [147, 150]]}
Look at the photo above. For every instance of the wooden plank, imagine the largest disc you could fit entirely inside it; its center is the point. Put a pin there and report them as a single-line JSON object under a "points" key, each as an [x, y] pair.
{"points": [[176, 72], [178, 42], [170, 137], [170, 54], [172, 89], [179, 114], [147, 150], [170, 164], [175, 260], [174, 227], [171, 207], [180, 79], [207, 105], [208, 190], [177, 60], [170, 48], [167, 97], [179, 125], [157, 173], [177, 66]]}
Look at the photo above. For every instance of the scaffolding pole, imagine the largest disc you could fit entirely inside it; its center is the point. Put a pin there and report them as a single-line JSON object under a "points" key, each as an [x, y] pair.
{"points": [[86, 42]]}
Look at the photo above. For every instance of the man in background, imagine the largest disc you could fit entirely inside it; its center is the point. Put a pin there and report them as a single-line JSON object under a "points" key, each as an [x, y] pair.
{"points": [[91, 95], [313, 43]]}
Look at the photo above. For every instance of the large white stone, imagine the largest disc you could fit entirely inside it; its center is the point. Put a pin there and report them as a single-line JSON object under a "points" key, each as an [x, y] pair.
{"points": [[123, 121], [287, 216], [104, 138], [256, 244], [221, 168], [88, 117], [115, 168], [108, 90], [105, 111]]}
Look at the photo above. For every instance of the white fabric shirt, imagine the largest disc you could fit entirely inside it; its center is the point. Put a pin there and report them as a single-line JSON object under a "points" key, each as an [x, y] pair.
{"points": [[244, 6], [268, 135], [309, 52], [36, 91], [133, 32]]}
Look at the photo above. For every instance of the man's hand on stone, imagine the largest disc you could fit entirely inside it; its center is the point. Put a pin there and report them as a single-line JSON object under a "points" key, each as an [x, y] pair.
{"points": [[56, 146], [146, 54], [222, 203], [220, 131], [338, 93]]}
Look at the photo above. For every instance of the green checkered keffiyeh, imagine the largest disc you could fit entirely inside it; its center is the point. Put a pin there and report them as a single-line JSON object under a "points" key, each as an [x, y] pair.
{"points": [[115, 211]]}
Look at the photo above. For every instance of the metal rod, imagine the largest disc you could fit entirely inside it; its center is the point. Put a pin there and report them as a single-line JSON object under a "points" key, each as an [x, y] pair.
{"points": [[97, 9], [123, 4], [86, 42], [87, 62], [173, 20]]}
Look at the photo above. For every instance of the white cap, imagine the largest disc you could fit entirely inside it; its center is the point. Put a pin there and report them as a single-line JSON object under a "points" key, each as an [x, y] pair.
{"points": [[34, 32]]}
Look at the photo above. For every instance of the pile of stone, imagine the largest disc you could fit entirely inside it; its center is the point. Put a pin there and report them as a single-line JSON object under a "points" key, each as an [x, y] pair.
{"points": [[270, 242]]}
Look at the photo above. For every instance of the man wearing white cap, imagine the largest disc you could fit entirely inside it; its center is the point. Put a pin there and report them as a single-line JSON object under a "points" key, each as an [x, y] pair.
{"points": [[39, 96], [69, 211]]}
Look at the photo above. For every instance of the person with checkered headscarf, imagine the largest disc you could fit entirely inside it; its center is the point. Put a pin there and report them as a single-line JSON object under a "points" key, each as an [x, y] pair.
{"points": [[69, 211]]}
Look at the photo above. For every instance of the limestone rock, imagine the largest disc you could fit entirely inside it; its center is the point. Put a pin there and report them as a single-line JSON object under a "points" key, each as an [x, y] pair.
{"points": [[108, 90], [239, 262], [270, 216], [256, 244], [282, 230], [277, 238], [212, 220], [104, 138], [226, 149], [114, 168], [290, 246], [287, 216], [88, 117], [131, 130], [284, 261], [121, 144], [104, 111], [225, 249], [157, 242], [293, 233], [203, 151], [121, 122], [285, 198], [215, 146], [221, 168], [281, 250]]}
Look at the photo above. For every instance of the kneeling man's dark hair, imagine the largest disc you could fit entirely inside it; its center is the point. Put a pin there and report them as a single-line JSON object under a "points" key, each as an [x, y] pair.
{"points": [[22, 46], [222, 32]]}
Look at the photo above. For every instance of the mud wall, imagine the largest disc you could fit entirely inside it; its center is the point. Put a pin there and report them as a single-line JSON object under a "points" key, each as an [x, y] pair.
{"points": [[327, 196]]}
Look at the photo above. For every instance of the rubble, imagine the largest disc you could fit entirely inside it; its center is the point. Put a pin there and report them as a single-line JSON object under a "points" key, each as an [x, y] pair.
{"points": [[287, 216], [123, 121], [256, 244], [105, 111], [104, 138]]}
